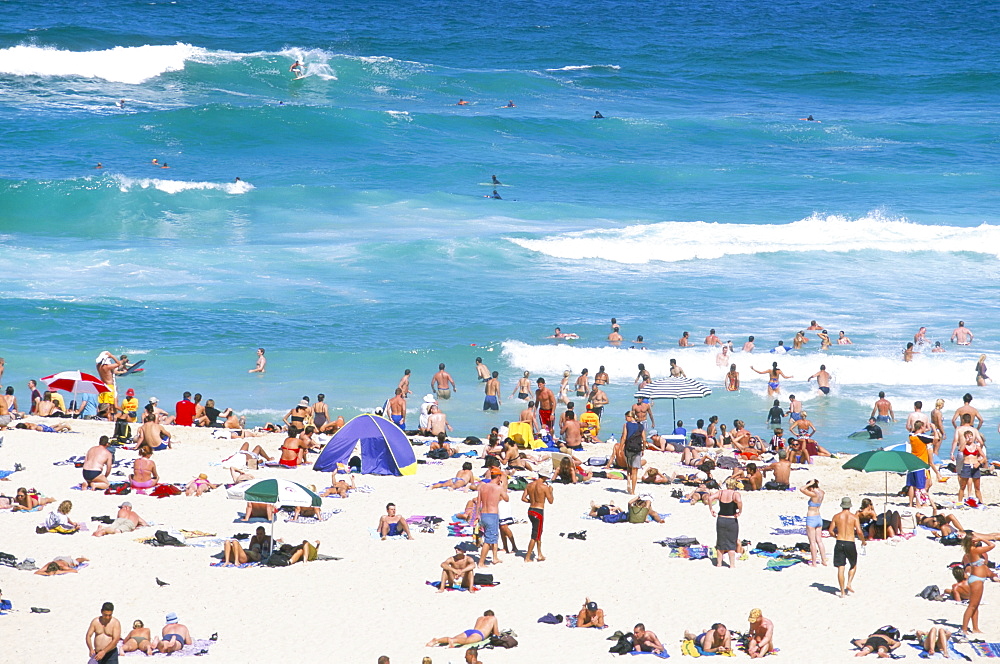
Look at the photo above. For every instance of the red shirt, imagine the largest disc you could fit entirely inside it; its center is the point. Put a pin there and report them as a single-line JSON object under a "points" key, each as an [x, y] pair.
{"points": [[185, 413]]}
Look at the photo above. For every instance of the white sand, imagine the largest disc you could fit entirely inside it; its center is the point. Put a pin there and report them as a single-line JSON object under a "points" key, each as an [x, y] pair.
{"points": [[374, 601]]}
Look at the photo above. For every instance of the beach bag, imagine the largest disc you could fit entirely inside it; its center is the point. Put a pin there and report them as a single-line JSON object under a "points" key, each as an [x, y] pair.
{"points": [[503, 641], [633, 444], [617, 517], [597, 461], [278, 559], [517, 484], [775, 486], [472, 440], [951, 540], [165, 490], [123, 433], [482, 579], [770, 547], [625, 645], [890, 631], [163, 538], [932, 593], [439, 453], [120, 489]]}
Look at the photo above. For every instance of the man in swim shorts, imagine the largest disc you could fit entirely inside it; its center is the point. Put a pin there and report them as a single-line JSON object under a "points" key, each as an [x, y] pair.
{"points": [[492, 390], [391, 524], [97, 466], [442, 383], [822, 379], [882, 411], [962, 335], [397, 409], [536, 494], [486, 626], [645, 640], [126, 522], [175, 635], [458, 567], [490, 495], [546, 401], [103, 635], [845, 526]]}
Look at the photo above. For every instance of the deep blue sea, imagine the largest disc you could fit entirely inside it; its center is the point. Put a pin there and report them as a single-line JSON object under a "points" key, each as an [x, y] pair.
{"points": [[360, 239]]}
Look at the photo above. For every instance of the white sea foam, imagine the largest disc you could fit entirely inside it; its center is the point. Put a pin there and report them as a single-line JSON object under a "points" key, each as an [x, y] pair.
{"points": [[579, 67], [126, 184], [673, 241], [121, 64], [316, 62], [699, 363]]}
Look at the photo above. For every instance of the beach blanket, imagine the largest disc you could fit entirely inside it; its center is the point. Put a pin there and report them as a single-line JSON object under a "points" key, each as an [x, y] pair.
{"points": [[661, 655], [373, 532], [323, 516], [437, 584], [952, 653], [197, 647], [778, 564], [690, 552], [460, 530], [572, 619], [986, 649], [801, 530], [255, 519], [219, 563]]}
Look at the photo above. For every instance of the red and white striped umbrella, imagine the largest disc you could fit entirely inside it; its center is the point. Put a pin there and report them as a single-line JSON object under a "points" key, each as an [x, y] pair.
{"points": [[76, 382]]}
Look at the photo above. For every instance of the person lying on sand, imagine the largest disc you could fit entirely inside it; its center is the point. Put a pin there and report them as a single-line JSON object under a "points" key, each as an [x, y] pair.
{"points": [[126, 522], [392, 524], [590, 615], [199, 486], [262, 510], [339, 487], [26, 500], [716, 640], [599, 511], [138, 639], [941, 524], [307, 551], [645, 640], [486, 626], [878, 642], [61, 565], [58, 427], [463, 479], [654, 476], [175, 636]]}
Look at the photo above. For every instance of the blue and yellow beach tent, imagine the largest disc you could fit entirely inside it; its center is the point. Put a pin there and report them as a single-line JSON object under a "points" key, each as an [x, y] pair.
{"points": [[385, 449]]}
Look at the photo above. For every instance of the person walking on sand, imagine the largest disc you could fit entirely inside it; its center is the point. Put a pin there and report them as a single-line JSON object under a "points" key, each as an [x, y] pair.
{"points": [[845, 527], [814, 521], [261, 362], [727, 524], [442, 383], [536, 494], [633, 441], [103, 635], [976, 547], [490, 495]]}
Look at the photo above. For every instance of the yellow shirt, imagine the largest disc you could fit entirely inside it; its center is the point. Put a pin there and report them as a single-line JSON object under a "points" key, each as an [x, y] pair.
{"points": [[57, 399], [130, 405], [591, 421]]}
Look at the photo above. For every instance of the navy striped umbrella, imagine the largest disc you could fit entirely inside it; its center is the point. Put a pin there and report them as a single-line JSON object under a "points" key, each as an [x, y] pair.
{"points": [[673, 389]]}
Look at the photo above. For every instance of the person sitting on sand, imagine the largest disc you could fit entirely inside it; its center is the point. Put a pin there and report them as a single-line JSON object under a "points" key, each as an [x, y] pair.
{"points": [[58, 427], [58, 521], [641, 507], [568, 473], [960, 590], [292, 451], [878, 642], [392, 524], [874, 525], [234, 553], [761, 641], [144, 475], [26, 501], [97, 466], [61, 565], [781, 470], [339, 487], [645, 640], [126, 522], [258, 510], [654, 476], [486, 626], [716, 640], [440, 442], [199, 485], [460, 568], [138, 639], [175, 636], [934, 641], [797, 452], [693, 456], [466, 514], [463, 479], [153, 434], [590, 615]]}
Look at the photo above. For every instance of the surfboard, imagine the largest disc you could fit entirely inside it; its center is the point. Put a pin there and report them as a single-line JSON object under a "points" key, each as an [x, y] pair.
{"points": [[860, 435], [490, 184], [135, 368], [299, 78]]}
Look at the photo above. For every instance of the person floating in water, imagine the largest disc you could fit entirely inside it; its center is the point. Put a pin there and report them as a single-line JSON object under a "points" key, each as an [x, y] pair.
{"points": [[121, 103], [164, 165], [155, 162], [297, 69], [598, 116], [510, 104], [99, 165], [496, 182], [810, 119], [462, 102], [495, 195]]}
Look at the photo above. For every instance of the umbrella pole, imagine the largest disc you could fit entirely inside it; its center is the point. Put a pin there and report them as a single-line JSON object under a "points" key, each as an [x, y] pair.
{"points": [[673, 406], [885, 509]]}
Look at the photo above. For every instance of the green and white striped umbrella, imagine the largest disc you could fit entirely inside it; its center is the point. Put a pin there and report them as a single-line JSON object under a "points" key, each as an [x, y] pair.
{"points": [[275, 492]]}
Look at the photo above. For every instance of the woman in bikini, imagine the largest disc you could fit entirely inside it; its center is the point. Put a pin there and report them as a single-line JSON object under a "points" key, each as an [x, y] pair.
{"points": [[296, 417], [198, 486], [733, 379], [654, 476], [976, 548], [26, 501], [564, 388], [711, 431], [814, 521], [773, 374], [973, 457], [523, 389], [463, 478], [144, 475], [138, 639]]}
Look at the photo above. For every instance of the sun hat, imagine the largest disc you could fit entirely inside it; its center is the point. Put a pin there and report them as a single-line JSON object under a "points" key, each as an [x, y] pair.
{"points": [[845, 503], [130, 392], [171, 617]]}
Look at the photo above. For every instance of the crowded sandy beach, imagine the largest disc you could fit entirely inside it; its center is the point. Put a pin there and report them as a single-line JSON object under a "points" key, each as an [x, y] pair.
{"points": [[668, 540]]}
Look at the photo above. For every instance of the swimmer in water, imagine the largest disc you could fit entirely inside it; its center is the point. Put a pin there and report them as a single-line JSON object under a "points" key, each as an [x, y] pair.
{"points": [[496, 195], [496, 182], [164, 165], [296, 69], [121, 103], [99, 165], [810, 119], [598, 116], [155, 162], [462, 102], [510, 104]]}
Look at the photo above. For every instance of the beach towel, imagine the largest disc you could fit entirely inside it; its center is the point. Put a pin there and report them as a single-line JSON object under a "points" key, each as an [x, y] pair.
{"points": [[437, 584], [572, 619], [323, 516], [778, 564], [197, 647], [986, 649], [801, 530], [219, 563], [690, 552], [460, 530], [373, 532], [661, 655], [792, 520], [952, 653], [255, 519]]}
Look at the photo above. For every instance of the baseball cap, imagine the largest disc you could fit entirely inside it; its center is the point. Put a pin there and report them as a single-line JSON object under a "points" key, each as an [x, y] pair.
{"points": [[130, 392], [591, 606], [125, 504], [652, 432], [153, 400]]}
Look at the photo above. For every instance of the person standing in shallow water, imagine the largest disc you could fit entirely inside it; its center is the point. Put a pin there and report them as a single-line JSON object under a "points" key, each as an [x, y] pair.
{"points": [[261, 362]]}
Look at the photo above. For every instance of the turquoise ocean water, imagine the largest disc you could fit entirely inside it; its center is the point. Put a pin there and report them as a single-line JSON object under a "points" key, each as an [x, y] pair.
{"points": [[358, 241]]}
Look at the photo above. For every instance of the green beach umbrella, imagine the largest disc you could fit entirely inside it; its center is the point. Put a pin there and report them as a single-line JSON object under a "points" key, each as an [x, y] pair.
{"points": [[885, 461], [275, 492]]}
